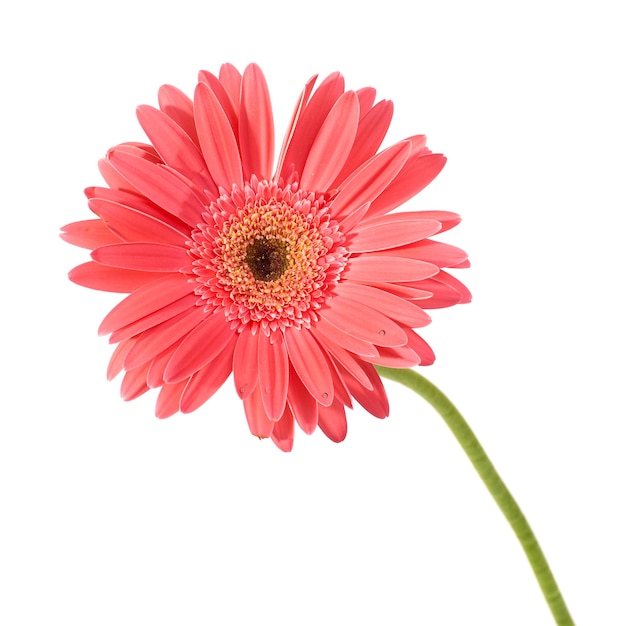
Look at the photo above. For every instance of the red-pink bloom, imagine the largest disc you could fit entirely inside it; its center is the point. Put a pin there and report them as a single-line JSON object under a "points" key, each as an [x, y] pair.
{"points": [[297, 279]]}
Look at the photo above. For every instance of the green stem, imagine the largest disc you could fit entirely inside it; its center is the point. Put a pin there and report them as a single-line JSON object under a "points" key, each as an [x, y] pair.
{"points": [[493, 482]]}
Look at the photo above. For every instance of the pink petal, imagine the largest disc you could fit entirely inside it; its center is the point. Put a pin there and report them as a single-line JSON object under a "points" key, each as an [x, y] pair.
{"points": [[175, 147], [160, 336], [168, 401], [391, 231], [146, 257], [416, 174], [332, 421], [246, 362], [162, 185], [310, 364], [371, 268], [421, 348], [369, 181], [103, 278], [403, 356], [326, 332], [131, 224], [363, 322], [231, 79], [200, 347], [447, 219], [435, 252], [310, 121], [158, 365], [134, 383], [116, 363], [302, 403], [256, 125], [88, 234], [370, 134], [179, 107], [205, 382], [304, 96], [158, 317], [232, 111], [351, 363], [367, 96], [283, 431], [258, 422], [332, 145], [217, 140], [273, 375], [375, 401], [147, 299], [114, 198], [392, 306]]}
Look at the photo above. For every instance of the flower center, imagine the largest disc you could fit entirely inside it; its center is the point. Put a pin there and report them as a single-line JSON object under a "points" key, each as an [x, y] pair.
{"points": [[267, 255], [267, 258]]}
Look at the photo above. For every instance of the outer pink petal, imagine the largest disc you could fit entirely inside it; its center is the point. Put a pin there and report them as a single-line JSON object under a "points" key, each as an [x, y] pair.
{"points": [[145, 257], [311, 120], [116, 363], [182, 306], [217, 140], [146, 300], [395, 230], [302, 403], [351, 363], [256, 125], [158, 365], [363, 322], [420, 347], [371, 132], [205, 382], [131, 224], [435, 252], [135, 202], [392, 306], [134, 383], [168, 401], [374, 268], [200, 347], [160, 336], [96, 276], [88, 234], [304, 96], [162, 185], [283, 431], [375, 401], [332, 145], [368, 182], [175, 147], [273, 375], [418, 172], [309, 362], [332, 421], [231, 79], [179, 107], [231, 110], [403, 356], [258, 422], [246, 363], [325, 331]]}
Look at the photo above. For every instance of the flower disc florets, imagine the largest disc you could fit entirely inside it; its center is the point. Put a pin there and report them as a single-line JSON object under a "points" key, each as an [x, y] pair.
{"points": [[267, 254]]}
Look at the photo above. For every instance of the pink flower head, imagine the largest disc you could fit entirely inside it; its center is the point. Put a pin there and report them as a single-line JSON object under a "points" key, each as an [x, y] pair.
{"points": [[297, 279]]}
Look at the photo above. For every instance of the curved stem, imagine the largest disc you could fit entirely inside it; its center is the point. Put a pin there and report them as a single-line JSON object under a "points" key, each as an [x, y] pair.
{"points": [[493, 482]]}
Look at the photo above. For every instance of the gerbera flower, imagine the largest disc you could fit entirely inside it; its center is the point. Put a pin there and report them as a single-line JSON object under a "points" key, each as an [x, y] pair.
{"points": [[298, 279]]}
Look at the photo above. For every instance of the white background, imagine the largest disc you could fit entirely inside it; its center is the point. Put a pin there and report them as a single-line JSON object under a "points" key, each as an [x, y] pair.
{"points": [[110, 516]]}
